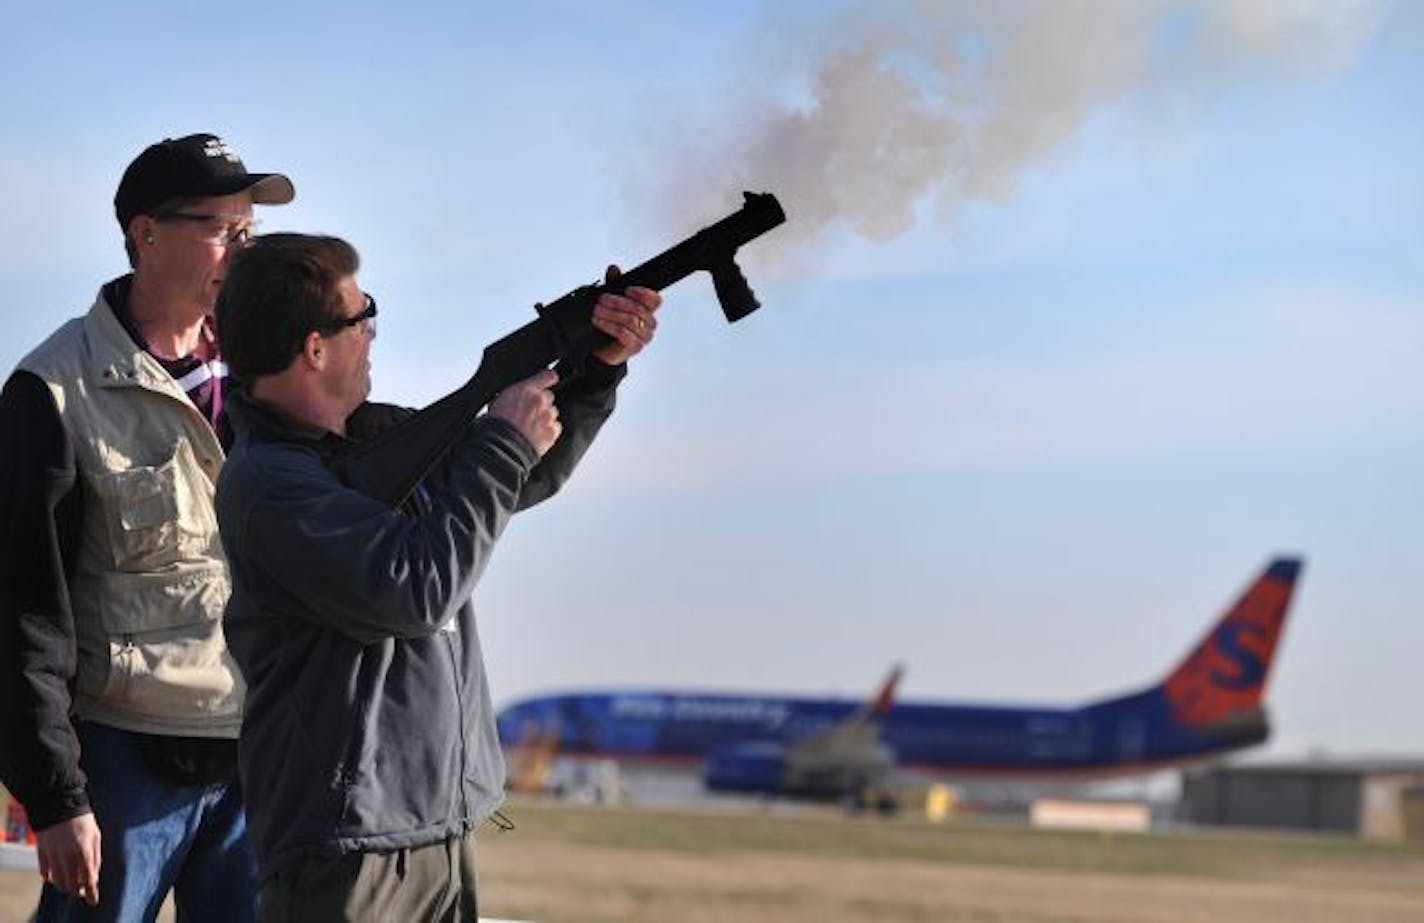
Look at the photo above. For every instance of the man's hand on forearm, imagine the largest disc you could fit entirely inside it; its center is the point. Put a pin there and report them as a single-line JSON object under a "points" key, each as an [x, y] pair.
{"points": [[628, 318]]}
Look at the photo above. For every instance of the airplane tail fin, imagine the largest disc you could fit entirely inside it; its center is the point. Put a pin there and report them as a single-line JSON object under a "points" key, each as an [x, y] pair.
{"points": [[1225, 674], [884, 698]]}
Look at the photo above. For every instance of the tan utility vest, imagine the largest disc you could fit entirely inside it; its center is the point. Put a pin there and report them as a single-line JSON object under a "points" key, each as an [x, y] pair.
{"points": [[150, 581]]}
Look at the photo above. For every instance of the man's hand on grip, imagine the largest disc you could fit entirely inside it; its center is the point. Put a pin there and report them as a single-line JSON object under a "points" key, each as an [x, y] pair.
{"points": [[529, 406]]}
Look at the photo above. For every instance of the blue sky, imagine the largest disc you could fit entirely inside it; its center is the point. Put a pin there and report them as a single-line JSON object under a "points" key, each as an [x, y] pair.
{"points": [[1029, 444]]}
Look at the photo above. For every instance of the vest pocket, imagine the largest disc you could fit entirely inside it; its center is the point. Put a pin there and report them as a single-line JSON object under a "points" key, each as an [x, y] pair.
{"points": [[159, 657], [158, 515], [179, 677]]}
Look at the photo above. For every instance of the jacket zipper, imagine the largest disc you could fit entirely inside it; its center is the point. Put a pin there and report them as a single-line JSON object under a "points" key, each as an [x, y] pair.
{"points": [[456, 676]]}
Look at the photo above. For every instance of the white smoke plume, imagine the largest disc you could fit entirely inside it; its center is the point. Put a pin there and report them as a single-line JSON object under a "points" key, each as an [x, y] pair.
{"points": [[939, 103]]}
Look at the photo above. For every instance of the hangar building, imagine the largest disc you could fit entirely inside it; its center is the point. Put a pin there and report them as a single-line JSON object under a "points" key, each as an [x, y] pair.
{"points": [[1375, 799]]}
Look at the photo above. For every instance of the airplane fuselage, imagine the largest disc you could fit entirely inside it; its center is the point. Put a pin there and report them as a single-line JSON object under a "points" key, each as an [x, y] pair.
{"points": [[673, 727]]}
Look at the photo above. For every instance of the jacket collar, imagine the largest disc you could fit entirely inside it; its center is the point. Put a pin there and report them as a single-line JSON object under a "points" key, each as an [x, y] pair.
{"points": [[115, 360], [268, 422]]}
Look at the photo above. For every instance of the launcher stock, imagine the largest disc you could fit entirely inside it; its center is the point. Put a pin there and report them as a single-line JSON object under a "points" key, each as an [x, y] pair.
{"points": [[389, 466]]}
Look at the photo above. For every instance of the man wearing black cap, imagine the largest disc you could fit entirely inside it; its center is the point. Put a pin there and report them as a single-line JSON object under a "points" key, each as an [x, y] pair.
{"points": [[119, 703]]}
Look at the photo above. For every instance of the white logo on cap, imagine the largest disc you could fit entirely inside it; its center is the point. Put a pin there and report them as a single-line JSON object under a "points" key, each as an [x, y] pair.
{"points": [[217, 147]]}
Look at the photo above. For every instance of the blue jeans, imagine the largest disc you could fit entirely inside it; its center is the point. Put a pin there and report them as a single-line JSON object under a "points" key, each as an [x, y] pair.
{"points": [[157, 836]]}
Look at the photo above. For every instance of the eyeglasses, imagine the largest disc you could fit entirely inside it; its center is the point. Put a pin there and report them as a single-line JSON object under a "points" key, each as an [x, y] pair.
{"points": [[223, 230], [367, 316]]}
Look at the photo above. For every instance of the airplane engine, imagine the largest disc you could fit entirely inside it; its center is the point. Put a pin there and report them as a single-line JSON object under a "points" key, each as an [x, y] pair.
{"points": [[754, 767], [855, 776]]}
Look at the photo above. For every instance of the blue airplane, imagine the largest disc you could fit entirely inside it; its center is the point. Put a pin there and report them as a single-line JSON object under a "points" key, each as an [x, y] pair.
{"points": [[838, 750]]}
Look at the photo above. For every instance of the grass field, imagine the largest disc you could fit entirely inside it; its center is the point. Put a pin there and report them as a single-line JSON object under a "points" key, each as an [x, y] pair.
{"points": [[599, 865], [589, 864]]}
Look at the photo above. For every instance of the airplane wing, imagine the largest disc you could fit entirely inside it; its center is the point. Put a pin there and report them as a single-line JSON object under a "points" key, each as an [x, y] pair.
{"points": [[848, 756]]}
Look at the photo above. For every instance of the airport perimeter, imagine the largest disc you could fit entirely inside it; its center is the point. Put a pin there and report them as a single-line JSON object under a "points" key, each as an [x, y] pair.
{"points": [[566, 863]]}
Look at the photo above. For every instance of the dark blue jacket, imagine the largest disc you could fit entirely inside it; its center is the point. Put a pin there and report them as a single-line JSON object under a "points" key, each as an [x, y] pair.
{"points": [[368, 723]]}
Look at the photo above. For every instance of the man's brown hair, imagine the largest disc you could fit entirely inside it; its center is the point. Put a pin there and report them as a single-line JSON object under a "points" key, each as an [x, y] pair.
{"points": [[278, 289]]}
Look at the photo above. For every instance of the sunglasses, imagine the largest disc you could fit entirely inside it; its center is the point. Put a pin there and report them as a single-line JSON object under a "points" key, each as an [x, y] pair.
{"points": [[367, 316]]}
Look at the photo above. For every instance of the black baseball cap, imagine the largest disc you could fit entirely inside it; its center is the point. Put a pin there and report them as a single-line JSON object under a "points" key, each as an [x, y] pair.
{"points": [[194, 166]]}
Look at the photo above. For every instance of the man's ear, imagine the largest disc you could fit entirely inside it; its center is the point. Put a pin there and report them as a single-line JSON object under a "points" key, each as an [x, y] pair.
{"points": [[313, 352], [141, 229]]}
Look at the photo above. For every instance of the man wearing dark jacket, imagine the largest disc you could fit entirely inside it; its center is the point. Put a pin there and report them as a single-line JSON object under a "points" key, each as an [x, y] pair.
{"points": [[119, 704], [368, 750]]}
